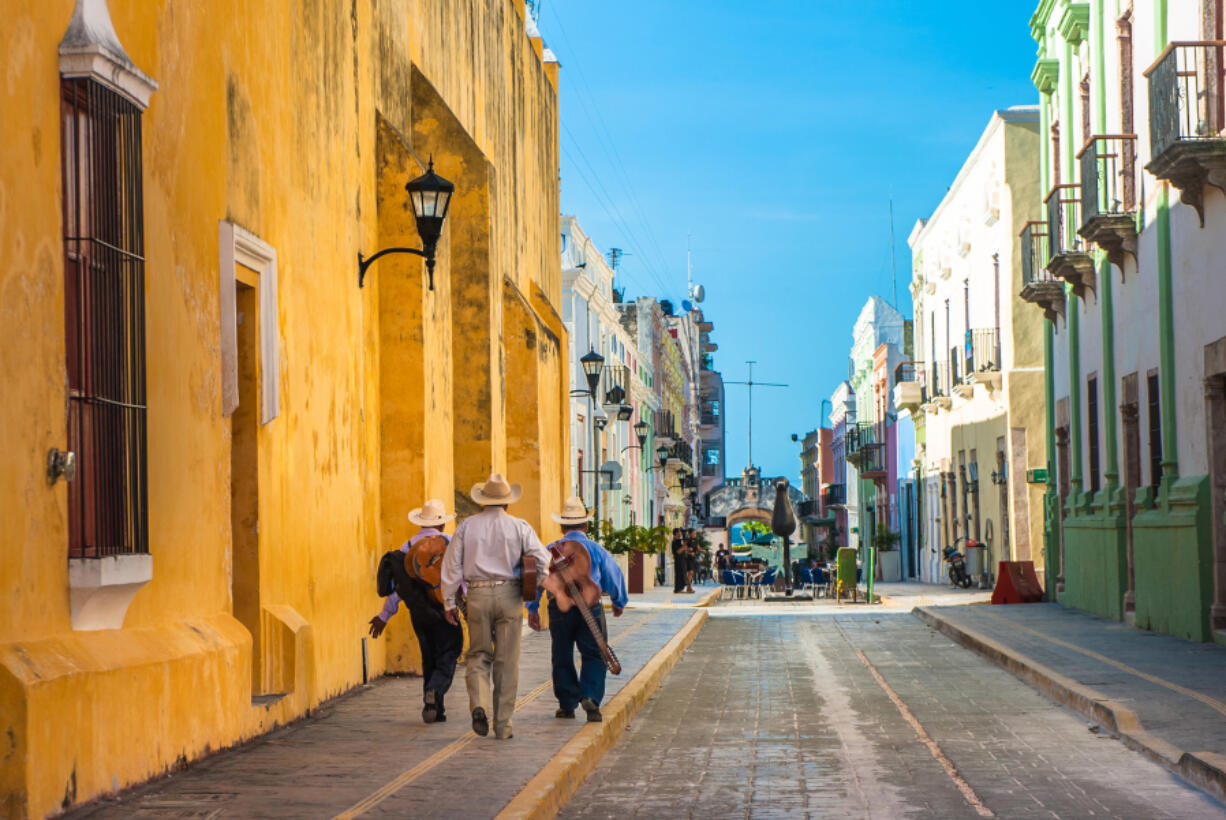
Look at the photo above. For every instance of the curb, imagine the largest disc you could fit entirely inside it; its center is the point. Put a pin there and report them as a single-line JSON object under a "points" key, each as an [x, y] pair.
{"points": [[1205, 770], [546, 793], [709, 598]]}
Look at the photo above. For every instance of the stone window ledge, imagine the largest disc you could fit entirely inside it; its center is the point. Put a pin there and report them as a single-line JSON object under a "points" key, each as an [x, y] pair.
{"points": [[100, 589]]}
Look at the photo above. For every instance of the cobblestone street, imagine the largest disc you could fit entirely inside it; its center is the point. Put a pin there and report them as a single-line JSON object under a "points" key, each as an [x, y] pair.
{"points": [[864, 715]]}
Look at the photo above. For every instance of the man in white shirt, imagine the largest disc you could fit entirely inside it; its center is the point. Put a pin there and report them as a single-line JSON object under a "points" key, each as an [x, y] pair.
{"points": [[487, 553]]}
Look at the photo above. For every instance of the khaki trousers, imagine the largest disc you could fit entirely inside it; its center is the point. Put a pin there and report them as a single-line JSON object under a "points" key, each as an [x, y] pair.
{"points": [[495, 624]]}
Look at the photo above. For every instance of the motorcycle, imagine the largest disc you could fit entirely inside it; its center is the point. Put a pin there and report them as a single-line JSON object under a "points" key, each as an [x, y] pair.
{"points": [[958, 575]]}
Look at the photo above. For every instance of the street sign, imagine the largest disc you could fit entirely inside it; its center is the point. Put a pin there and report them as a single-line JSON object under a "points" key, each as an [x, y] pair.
{"points": [[610, 475], [1036, 476]]}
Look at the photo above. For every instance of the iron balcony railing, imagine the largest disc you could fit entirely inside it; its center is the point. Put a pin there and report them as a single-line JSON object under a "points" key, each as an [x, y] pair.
{"points": [[1035, 253], [666, 424], [1063, 219], [1108, 176], [956, 367], [981, 352], [834, 495], [616, 383], [809, 508], [908, 372], [682, 452], [938, 379], [1186, 94]]}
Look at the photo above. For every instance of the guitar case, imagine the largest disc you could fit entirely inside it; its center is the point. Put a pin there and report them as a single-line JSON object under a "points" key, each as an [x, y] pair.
{"points": [[424, 562]]}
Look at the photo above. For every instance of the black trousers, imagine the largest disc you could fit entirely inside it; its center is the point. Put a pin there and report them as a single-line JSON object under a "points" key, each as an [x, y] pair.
{"points": [[680, 564], [441, 644]]}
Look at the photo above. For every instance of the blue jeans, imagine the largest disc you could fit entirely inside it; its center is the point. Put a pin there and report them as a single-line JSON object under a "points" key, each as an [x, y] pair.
{"points": [[566, 631]]}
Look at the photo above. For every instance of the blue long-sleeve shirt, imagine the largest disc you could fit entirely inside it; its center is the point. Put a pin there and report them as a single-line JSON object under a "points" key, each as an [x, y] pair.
{"points": [[605, 572]]}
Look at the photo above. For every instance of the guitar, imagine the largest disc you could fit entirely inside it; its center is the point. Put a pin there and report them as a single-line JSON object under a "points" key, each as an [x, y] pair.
{"points": [[570, 582], [529, 578]]}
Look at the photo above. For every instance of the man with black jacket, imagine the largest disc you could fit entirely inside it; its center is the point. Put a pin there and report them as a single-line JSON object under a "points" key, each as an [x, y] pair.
{"points": [[441, 642]]}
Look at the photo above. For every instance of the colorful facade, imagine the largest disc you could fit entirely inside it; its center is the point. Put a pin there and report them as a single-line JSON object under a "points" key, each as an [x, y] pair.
{"points": [[183, 210], [1126, 264]]}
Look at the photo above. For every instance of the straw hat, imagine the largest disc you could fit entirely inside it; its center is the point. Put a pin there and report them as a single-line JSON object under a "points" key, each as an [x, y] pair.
{"points": [[430, 514], [496, 491], [573, 512]]}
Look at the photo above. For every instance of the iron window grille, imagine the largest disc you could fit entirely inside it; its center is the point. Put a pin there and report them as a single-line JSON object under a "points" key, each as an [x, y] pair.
{"points": [[104, 305]]}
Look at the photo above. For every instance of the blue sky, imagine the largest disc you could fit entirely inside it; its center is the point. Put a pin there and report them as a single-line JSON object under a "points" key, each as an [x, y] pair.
{"points": [[774, 134]]}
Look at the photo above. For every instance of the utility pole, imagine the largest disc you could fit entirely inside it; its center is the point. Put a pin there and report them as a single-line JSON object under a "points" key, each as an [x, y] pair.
{"points": [[750, 384]]}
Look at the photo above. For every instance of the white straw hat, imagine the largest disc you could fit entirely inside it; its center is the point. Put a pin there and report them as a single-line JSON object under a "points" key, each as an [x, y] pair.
{"points": [[496, 491], [430, 514], [573, 512]]}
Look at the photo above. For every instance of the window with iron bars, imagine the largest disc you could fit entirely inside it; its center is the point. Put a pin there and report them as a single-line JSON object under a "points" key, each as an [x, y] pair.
{"points": [[104, 306]]}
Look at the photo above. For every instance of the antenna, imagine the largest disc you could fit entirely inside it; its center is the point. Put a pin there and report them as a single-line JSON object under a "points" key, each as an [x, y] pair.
{"points": [[751, 384], [615, 256]]}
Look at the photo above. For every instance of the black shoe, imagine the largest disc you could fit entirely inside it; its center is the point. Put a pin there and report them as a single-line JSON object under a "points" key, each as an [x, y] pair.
{"points": [[481, 724], [564, 713], [441, 718], [430, 711], [593, 711]]}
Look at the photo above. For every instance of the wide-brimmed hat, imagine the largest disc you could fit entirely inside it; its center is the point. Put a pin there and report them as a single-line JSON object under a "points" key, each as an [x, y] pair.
{"points": [[496, 491], [430, 514], [573, 512]]}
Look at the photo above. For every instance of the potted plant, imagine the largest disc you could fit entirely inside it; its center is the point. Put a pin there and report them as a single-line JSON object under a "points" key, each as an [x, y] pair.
{"points": [[889, 559]]}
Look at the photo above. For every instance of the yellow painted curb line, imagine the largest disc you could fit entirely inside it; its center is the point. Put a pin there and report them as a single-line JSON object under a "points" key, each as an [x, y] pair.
{"points": [[546, 793], [709, 598], [1205, 770]]}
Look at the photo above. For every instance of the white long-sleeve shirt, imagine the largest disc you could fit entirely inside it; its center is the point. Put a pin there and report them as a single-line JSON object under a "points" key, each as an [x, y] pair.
{"points": [[489, 546]]}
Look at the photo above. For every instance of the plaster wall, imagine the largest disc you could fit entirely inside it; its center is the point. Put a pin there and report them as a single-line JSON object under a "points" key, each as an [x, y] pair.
{"points": [[300, 123]]}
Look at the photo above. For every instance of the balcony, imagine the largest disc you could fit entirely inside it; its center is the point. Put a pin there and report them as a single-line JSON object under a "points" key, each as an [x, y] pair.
{"points": [[908, 386], [1069, 260], [1108, 195], [939, 385], [680, 454], [834, 495], [1039, 287], [666, 427], [981, 357], [1187, 146], [866, 450]]}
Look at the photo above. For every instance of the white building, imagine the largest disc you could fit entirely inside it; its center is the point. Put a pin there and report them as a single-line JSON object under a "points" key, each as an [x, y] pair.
{"points": [[977, 394]]}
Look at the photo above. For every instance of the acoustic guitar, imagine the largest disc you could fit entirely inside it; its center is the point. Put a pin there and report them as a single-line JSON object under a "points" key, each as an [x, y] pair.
{"points": [[570, 582], [529, 578]]}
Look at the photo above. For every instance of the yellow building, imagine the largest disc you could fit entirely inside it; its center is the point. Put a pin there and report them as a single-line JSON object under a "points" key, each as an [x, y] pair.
{"points": [[185, 189]]}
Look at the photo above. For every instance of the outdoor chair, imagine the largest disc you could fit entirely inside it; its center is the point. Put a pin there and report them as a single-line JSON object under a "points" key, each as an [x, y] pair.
{"points": [[765, 579], [732, 582]]}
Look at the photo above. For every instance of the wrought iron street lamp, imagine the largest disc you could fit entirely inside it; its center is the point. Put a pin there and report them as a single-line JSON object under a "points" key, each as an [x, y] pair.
{"points": [[602, 421], [592, 363], [640, 432], [430, 196]]}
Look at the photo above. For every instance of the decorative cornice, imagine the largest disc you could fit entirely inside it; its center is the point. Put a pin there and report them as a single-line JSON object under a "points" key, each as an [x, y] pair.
{"points": [[1074, 23], [1046, 72], [1038, 20], [91, 48]]}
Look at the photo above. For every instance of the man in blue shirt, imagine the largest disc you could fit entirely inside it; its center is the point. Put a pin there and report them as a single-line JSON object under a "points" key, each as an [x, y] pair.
{"points": [[568, 629]]}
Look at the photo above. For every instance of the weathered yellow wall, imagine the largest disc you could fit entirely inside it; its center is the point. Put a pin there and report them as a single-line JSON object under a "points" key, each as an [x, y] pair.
{"points": [[299, 121]]}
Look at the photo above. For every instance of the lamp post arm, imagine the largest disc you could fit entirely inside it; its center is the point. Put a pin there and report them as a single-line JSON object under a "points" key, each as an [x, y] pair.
{"points": [[366, 262]]}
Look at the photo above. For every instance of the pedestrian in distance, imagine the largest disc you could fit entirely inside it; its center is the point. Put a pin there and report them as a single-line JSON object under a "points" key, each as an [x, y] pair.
{"points": [[416, 582], [569, 630], [679, 562], [487, 553]]}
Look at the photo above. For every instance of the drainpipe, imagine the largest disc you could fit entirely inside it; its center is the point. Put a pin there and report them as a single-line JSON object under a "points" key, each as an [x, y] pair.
{"points": [[1106, 299]]}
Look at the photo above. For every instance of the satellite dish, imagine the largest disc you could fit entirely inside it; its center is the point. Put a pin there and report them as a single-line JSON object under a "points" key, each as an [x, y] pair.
{"points": [[698, 293], [686, 306]]}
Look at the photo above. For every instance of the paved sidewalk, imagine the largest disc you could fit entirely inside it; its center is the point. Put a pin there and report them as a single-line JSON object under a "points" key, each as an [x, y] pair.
{"points": [[1162, 695], [368, 753]]}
